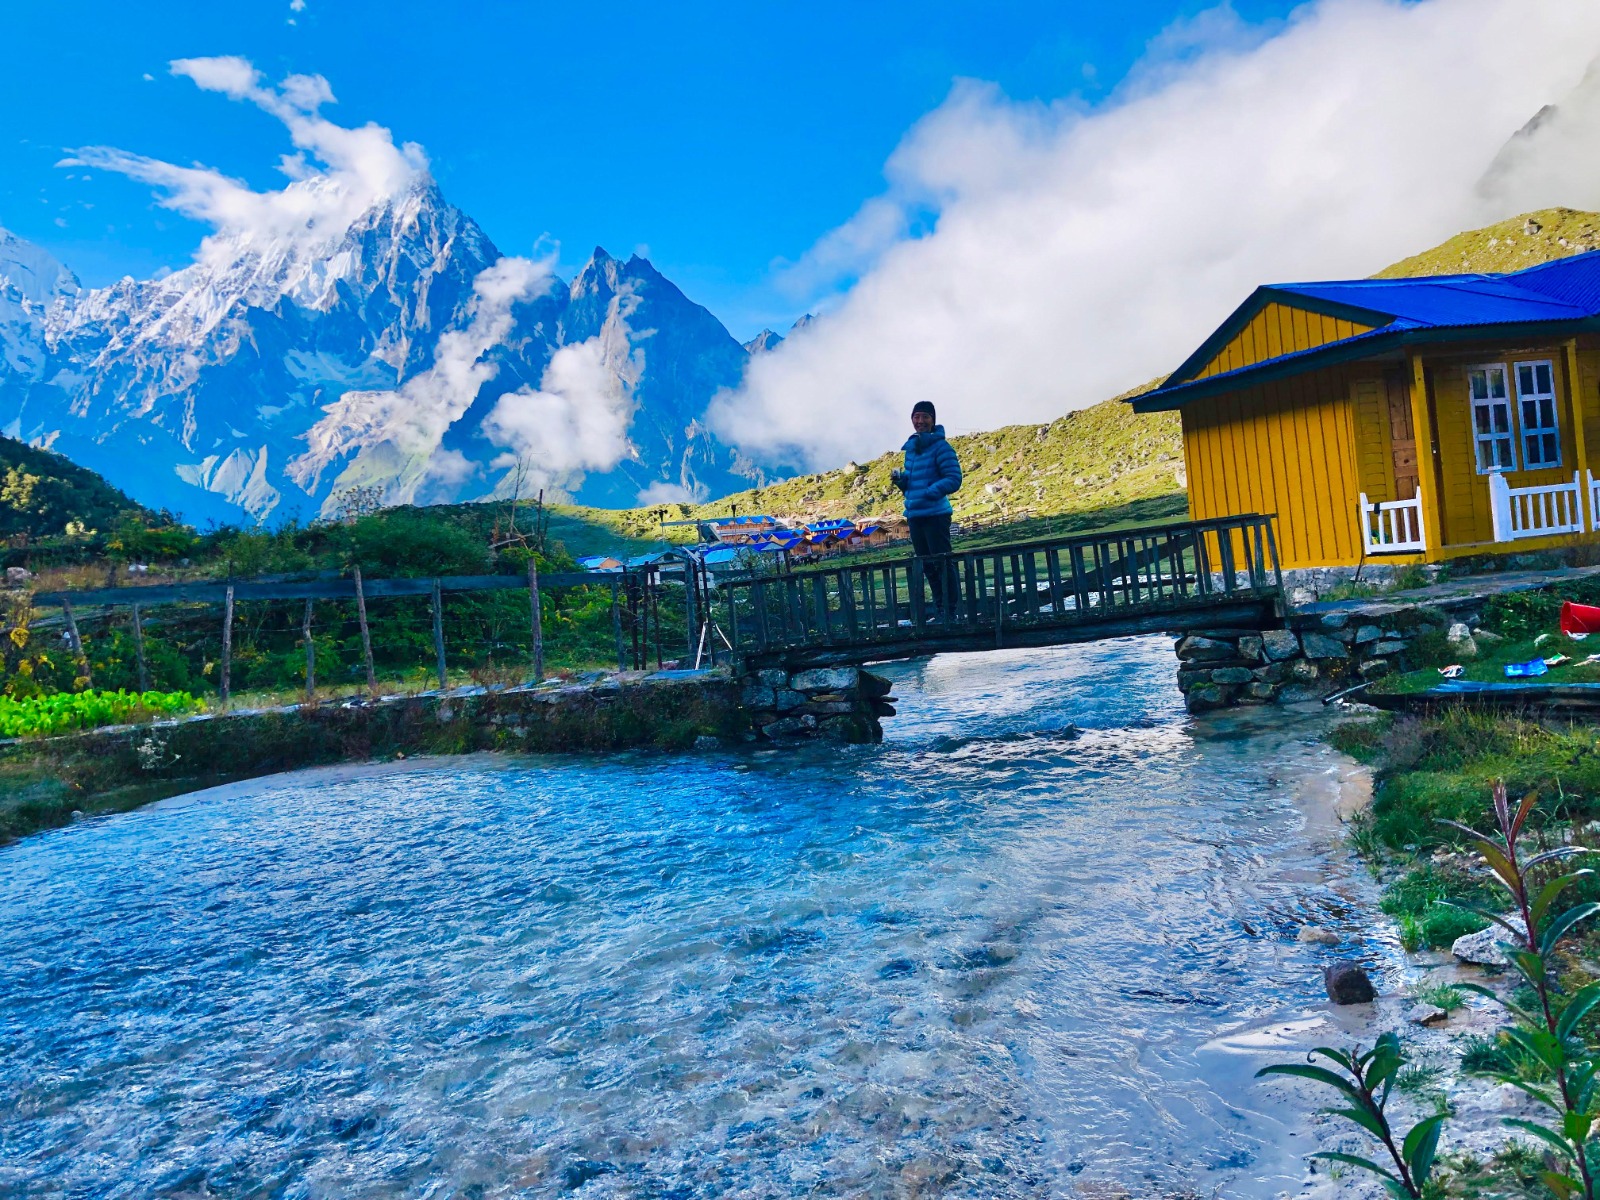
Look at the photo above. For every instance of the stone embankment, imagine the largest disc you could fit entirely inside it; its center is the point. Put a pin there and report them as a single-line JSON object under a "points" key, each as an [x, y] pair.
{"points": [[840, 704], [1316, 654]]}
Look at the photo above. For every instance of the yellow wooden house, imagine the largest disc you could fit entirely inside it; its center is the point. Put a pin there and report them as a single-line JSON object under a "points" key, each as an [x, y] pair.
{"points": [[1401, 420]]}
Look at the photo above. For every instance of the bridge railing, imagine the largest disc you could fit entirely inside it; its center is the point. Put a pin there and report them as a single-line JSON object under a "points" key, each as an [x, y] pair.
{"points": [[1028, 585]]}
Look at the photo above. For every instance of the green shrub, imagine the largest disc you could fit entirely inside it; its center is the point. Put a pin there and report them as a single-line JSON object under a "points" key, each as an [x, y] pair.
{"points": [[44, 716]]}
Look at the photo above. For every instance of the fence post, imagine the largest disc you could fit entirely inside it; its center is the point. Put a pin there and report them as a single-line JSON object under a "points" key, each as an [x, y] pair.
{"points": [[438, 633], [77, 643], [1500, 506], [616, 626], [138, 650], [311, 652], [366, 636], [538, 622], [227, 645]]}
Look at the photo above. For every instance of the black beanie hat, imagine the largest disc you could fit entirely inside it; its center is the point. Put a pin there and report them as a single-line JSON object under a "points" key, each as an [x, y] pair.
{"points": [[924, 406]]}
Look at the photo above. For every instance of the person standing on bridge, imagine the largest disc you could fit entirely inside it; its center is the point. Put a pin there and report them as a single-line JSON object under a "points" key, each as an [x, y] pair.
{"points": [[932, 472]]}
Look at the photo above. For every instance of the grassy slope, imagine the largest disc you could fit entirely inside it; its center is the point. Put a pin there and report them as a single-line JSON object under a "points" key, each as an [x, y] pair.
{"points": [[1509, 245]]}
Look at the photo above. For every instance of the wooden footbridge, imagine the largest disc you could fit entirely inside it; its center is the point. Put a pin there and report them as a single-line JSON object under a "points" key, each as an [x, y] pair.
{"points": [[1181, 577]]}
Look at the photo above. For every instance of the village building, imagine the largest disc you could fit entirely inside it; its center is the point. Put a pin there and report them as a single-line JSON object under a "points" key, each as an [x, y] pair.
{"points": [[1401, 420]]}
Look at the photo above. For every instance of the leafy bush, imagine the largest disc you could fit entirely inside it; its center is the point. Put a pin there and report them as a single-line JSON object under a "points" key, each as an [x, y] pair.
{"points": [[45, 716]]}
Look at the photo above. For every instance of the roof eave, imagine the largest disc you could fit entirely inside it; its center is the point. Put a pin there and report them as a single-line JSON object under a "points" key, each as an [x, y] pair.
{"points": [[1169, 397]]}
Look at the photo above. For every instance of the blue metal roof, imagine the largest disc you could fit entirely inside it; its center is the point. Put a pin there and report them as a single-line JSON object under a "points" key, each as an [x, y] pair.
{"points": [[1564, 295]]}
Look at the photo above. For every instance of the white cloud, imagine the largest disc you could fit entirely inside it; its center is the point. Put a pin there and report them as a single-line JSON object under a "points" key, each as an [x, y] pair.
{"points": [[577, 420], [1029, 259], [336, 174], [662, 492]]}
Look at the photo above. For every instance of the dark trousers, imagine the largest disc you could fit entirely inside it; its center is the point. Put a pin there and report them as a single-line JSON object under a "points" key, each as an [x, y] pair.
{"points": [[930, 540]]}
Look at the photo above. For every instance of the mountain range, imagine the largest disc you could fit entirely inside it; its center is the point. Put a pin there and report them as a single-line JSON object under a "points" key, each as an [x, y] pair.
{"points": [[404, 356]]}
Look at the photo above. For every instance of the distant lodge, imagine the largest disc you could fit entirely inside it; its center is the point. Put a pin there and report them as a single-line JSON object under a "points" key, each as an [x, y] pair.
{"points": [[1411, 420], [755, 540]]}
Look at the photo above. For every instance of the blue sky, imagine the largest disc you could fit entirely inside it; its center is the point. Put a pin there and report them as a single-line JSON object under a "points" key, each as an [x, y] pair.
{"points": [[720, 140]]}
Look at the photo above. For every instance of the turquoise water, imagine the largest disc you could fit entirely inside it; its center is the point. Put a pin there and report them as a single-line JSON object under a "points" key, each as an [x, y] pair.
{"points": [[994, 956]]}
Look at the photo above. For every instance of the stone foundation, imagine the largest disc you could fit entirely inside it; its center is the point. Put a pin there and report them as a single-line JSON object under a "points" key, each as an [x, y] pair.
{"points": [[1313, 656], [840, 704]]}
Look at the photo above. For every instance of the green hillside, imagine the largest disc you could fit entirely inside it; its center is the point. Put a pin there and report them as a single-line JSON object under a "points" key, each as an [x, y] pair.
{"points": [[1509, 245], [42, 493]]}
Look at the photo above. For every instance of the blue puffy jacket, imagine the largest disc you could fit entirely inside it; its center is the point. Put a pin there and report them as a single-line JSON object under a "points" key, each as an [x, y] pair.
{"points": [[934, 472]]}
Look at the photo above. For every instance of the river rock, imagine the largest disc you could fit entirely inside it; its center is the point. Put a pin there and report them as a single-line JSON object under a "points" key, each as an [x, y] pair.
{"points": [[1375, 668], [1303, 669], [1250, 649], [1319, 645], [1259, 691], [1335, 620], [1461, 643], [826, 679], [1486, 637], [1204, 649], [1426, 1014], [1205, 697], [1232, 675], [1279, 644], [1315, 935], [788, 727], [1383, 648], [1347, 983], [757, 695], [1482, 948], [773, 677], [1368, 633], [788, 701], [1271, 673]]}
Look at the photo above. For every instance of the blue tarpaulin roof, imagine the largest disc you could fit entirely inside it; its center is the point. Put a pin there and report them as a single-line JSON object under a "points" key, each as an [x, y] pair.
{"points": [[1564, 294]]}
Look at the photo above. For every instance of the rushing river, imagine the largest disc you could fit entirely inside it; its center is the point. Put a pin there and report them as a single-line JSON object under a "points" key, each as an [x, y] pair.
{"points": [[994, 956]]}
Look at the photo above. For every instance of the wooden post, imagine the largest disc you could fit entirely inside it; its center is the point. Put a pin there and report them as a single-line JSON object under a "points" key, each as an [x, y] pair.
{"points": [[438, 633], [311, 652], [616, 626], [77, 643], [1586, 512], [1422, 427], [138, 650], [538, 623], [366, 635], [227, 644]]}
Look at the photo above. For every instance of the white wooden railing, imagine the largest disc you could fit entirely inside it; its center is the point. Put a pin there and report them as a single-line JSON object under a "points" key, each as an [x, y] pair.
{"points": [[1393, 526], [1535, 511], [1593, 492]]}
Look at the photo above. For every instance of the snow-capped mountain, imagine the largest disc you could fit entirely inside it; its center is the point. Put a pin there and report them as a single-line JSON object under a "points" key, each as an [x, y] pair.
{"points": [[402, 352]]}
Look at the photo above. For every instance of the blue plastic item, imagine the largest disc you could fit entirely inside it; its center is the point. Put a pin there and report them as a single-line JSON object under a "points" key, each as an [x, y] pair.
{"points": [[1534, 666]]}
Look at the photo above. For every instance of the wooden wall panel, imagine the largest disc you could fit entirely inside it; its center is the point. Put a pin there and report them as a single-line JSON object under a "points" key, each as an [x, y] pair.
{"points": [[1369, 404], [1287, 448], [1279, 329]]}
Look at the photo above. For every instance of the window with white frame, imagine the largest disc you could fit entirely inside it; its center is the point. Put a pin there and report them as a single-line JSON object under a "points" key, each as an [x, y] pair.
{"points": [[1536, 408], [1491, 418]]}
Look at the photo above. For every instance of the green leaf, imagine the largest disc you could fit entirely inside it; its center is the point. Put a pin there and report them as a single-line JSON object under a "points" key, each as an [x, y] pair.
{"points": [[1548, 894], [1366, 1164], [1317, 1074], [1420, 1145], [1576, 1126], [1523, 810], [1557, 929], [1364, 1117], [1554, 1140], [1544, 856], [1583, 1000], [1564, 1186]]}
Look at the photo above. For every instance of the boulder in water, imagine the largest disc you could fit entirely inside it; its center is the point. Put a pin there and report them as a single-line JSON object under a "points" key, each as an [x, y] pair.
{"points": [[1348, 983]]}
